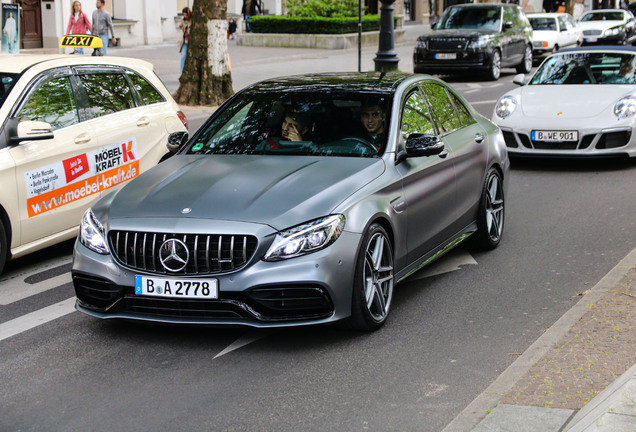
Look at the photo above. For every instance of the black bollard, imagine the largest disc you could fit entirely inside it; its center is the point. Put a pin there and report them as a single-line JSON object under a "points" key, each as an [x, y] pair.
{"points": [[386, 58]]}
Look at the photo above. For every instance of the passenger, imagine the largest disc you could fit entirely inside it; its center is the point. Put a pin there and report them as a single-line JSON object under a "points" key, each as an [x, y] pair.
{"points": [[625, 74], [372, 116], [295, 127]]}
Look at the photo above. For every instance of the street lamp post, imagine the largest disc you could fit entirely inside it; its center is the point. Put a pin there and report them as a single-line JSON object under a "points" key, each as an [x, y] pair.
{"points": [[386, 58]]}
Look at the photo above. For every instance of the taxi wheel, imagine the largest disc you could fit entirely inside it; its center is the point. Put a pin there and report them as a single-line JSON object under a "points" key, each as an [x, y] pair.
{"points": [[3, 247], [373, 281]]}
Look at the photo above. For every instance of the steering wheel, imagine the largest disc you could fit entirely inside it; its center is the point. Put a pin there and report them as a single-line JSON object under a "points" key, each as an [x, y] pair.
{"points": [[362, 141]]}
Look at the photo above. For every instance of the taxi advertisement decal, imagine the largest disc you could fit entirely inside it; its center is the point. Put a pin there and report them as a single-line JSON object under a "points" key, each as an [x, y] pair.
{"points": [[83, 175]]}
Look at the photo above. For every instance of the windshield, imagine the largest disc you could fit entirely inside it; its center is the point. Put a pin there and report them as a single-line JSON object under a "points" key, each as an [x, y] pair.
{"points": [[543, 24], [603, 16], [298, 123], [7, 81], [487, 18], [587, 68]]}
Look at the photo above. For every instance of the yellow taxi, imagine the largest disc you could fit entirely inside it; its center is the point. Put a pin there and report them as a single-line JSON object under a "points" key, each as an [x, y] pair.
{"points": [[72, 128]]}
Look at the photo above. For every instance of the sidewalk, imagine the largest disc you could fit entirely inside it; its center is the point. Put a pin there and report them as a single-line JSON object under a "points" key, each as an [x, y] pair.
{"points": [[580, 376]]}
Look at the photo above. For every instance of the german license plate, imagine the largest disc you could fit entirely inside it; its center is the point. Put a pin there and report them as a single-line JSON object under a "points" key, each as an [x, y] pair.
{"points": [[554, 136], [177, 288], [445, 56], [591, 40]]}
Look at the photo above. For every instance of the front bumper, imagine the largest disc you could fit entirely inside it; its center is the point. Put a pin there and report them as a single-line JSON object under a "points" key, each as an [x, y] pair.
{"points": [[307, 290], [424, 60], [591, 143]]}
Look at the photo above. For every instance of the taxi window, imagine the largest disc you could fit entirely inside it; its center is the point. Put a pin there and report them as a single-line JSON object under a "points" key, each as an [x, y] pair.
{"points": [[147, 93], [51, 102], [107, 93], [7, 81]]}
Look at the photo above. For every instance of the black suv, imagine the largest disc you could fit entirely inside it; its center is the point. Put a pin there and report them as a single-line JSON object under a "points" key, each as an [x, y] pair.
{"points": [[472, 37]]}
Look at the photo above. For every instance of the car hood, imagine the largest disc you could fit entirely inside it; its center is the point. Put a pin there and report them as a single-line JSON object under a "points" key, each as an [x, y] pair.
{"points": [[572, 101], [280, 191], [466, 33], [598, 25]]}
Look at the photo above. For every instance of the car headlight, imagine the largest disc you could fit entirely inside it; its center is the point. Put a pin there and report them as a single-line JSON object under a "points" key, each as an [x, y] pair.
{"points": [[612, 31], [306, 238], [625, 108], [505, 106], [477, 43], [92, 233], [421, 43]]}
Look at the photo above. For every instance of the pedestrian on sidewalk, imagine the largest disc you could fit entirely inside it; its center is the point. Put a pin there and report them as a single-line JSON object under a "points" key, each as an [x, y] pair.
{"points": [[185, 28], [78, 24], [102, 24], [249, 9], [231, 29]]}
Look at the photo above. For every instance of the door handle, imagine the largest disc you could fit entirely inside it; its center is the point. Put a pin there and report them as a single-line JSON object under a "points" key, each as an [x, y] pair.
{"points": [[82, 138], [479, 138], [443, 154], [144, 121]]}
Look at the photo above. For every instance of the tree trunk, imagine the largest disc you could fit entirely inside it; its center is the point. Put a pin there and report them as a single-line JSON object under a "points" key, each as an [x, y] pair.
{"points": [[206, 77]]}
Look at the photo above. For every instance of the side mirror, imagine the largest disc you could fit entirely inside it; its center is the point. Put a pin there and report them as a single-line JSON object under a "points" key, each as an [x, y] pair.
{"points": [[29, 130], [423, 145], [520, 79], [433, 25], [507, 25], [176, 141]]}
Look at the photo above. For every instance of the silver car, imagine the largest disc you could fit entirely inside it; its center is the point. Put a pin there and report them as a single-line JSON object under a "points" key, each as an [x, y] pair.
{"points": [[302, 200]]}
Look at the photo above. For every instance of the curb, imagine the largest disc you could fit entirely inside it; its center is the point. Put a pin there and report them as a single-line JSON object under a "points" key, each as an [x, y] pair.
{"points": [[470, 417]]}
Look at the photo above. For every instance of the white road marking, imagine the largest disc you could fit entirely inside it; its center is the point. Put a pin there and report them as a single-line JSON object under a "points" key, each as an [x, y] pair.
{"points": [[36, 318], [452, 261], [17, 289], [246, 339]]}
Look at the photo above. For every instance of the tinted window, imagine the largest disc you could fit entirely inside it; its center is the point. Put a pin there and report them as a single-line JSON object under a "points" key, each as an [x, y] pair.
{"points": [[471, 17], [51, 102], [107, 93], [287, 122], [416, 117], [145, 90], [462, 111], [543, 24], [443, 110]]}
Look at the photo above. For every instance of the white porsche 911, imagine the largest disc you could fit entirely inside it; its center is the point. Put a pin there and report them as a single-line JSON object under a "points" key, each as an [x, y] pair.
{"points": [[579, 102]]}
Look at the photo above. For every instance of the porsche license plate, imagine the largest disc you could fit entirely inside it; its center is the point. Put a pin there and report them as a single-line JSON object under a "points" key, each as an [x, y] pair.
{"points": [[177, 288], [554, 136], [445, 56]]}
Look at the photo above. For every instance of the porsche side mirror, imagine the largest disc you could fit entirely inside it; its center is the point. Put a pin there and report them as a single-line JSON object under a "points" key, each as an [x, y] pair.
{"points": [[520, 79]]}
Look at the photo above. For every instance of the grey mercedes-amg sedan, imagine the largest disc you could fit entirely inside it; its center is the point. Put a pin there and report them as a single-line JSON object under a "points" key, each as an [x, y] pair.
{"points": [[302, 200]]}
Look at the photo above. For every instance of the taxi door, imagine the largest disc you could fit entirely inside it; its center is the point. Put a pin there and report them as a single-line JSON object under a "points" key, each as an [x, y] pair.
{"points": [[51, 175]]}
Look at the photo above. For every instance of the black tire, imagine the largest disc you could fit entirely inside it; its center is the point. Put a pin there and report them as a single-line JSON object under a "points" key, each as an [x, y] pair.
{"points": [[4, 248], [373, 281], [526, 63], [491, 213], [494, 67]]}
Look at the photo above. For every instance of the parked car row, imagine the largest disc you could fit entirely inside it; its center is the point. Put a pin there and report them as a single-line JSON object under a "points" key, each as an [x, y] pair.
{"points": [[488, 37]]}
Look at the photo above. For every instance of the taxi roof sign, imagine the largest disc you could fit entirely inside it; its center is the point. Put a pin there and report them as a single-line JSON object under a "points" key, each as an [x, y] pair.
{"points": [[81, 41]]}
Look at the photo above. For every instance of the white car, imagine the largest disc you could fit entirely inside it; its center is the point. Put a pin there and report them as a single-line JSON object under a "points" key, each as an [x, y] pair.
{"points": [[580, 102], [608, 27], [552, 31], [71, 129]]}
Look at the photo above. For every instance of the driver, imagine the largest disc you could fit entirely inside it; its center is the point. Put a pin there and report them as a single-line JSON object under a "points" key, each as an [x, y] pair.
{"points": [[295, 127], [372, 116]]}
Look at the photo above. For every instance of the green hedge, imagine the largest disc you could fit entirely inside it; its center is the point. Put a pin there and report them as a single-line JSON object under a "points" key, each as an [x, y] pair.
{"points": [[318, 25]]}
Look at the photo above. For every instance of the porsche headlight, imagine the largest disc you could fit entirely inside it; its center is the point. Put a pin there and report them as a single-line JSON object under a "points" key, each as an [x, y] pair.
{"points": [[306, 238], [92, 233], [505, 106], [625, 108]]}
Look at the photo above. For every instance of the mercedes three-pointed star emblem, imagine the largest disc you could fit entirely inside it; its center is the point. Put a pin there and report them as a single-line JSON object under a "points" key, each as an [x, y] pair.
{"points": [[174, 255]]}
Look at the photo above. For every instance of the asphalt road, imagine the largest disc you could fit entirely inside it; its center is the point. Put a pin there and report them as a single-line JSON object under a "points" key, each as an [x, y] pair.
{"points": [[454, 328]]}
